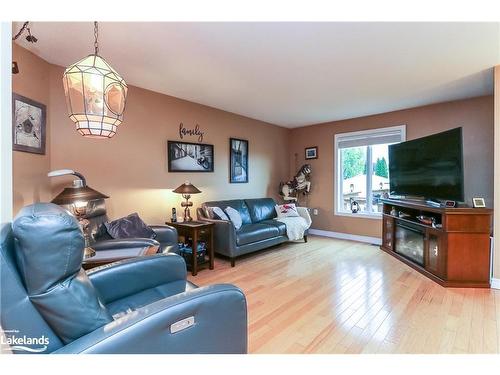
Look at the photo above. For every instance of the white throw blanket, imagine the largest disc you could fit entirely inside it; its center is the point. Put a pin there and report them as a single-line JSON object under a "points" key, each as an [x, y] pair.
{"points": [[295, 227]]}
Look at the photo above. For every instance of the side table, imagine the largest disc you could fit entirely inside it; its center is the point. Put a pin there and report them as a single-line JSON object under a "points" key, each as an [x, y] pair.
{"points": [[196, 230]]}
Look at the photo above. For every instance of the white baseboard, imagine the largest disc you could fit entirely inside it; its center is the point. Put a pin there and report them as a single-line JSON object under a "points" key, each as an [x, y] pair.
{"points": [[495, 283], [346, 236]]}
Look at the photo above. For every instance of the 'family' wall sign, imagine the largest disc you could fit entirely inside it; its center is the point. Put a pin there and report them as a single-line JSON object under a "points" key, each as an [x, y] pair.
{"points": [[191, 132]]}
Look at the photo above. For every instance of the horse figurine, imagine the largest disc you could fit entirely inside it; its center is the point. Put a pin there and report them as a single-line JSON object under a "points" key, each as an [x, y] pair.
{"points": [[300, 184]]}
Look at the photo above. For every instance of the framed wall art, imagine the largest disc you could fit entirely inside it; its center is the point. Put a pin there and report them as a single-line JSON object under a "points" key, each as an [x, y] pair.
{"points": [[238, 160], [28, 125], [311, 152], [190, 157]]}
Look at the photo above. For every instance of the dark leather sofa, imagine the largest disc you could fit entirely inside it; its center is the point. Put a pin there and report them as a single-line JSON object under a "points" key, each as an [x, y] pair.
{"points": [[259, 230], [142, 305]]}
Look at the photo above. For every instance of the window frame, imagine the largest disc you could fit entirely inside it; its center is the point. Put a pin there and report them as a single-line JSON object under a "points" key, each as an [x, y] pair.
{"points": [[338, 182]]}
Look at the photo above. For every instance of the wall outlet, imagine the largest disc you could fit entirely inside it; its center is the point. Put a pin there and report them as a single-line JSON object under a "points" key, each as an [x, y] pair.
{"points": [[315, 211]]}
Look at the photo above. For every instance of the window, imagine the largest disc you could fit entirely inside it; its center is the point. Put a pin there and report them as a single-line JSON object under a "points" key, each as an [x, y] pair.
{"points": [[362, 169]]}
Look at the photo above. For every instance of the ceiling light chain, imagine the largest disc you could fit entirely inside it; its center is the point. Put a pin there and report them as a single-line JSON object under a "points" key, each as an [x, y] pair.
{"points": [[25, 25], [30, 38], [96, 36]]}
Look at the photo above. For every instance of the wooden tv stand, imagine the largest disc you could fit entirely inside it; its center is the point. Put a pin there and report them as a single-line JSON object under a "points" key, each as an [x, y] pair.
{"points": [[455, 254]]}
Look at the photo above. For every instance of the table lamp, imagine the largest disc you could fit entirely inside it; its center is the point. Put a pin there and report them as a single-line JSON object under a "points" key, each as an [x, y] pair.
{"points": [[77, 197], [186, 189]]}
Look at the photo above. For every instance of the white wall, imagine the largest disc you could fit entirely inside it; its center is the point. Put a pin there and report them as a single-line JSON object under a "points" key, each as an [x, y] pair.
{"points": [[5, 128], [5, 121]]}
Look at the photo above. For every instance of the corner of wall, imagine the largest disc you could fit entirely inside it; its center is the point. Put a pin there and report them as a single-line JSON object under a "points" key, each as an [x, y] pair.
{"points": [[29, 171]]}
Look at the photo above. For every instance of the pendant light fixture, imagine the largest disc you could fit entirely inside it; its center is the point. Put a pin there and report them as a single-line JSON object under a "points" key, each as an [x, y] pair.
{"points": [[95, 95]]}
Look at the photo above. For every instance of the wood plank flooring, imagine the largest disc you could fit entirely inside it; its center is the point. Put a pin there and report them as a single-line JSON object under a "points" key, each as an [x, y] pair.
{"points": [[335, 296]]}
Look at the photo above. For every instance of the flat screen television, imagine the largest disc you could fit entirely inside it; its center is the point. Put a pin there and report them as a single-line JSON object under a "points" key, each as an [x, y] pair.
{"points": [[429, 167]]}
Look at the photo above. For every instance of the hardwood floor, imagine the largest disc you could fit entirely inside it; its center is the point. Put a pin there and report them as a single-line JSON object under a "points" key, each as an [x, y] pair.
{"points": [[335, 296]]}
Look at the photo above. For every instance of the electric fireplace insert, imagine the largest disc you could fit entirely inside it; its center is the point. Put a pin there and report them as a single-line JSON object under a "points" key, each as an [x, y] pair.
{"points": [[410, 242]]}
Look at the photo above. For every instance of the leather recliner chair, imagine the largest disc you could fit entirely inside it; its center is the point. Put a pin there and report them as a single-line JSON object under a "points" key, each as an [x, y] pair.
{"points": [[109, 249], [49, 304]]}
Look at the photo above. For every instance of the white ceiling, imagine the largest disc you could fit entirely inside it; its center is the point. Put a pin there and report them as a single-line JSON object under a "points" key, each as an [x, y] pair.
{"points": [[289, 74]]}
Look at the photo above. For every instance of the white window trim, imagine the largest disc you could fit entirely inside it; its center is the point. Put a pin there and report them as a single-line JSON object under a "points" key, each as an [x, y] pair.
{"points": [[337, 183]]}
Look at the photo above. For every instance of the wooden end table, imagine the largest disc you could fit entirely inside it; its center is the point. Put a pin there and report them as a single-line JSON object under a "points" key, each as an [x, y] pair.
{"points": [[196, 230]]}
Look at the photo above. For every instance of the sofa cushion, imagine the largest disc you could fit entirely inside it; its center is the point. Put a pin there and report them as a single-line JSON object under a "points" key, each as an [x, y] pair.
{"points": [[249, 233], [238, 204], [234, 216], [278, 224], [261, 209]]}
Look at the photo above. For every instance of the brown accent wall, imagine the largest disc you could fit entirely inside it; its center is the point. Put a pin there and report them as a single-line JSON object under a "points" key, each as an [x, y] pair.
{"points": [[30, 181], [132, 166], [474, 115]]}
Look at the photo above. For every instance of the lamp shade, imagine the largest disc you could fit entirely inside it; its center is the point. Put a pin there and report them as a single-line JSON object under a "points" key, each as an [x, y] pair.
{"points": [[187, 188], [71, 195], [95, 97]]}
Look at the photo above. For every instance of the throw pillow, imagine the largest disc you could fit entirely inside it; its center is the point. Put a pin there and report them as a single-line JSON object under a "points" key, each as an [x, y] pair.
{"points": [[286, 210], [129, 227], [102, 233], [217, 213], [208, 212], [234, 216]]}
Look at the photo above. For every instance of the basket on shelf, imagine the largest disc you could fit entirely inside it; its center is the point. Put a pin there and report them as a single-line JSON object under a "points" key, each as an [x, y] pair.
{"points": [[186, 251]]}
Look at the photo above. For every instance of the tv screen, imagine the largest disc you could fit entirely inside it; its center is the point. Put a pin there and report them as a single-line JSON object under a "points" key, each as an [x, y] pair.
{"points": [[429, 167]]}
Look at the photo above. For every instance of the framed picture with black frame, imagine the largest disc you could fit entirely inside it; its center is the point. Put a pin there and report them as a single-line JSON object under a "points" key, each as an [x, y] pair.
{"points": [[190, 157], [238, 161], [311, 152], [28, 125]]}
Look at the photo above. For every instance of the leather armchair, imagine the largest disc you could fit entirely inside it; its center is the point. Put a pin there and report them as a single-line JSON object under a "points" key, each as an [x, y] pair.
{"points": [[108, 251], [166, 236], [141, 305]]}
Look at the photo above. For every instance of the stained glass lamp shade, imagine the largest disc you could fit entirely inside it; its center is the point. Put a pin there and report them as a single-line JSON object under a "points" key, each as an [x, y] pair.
{"points": [[95, 97]]}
